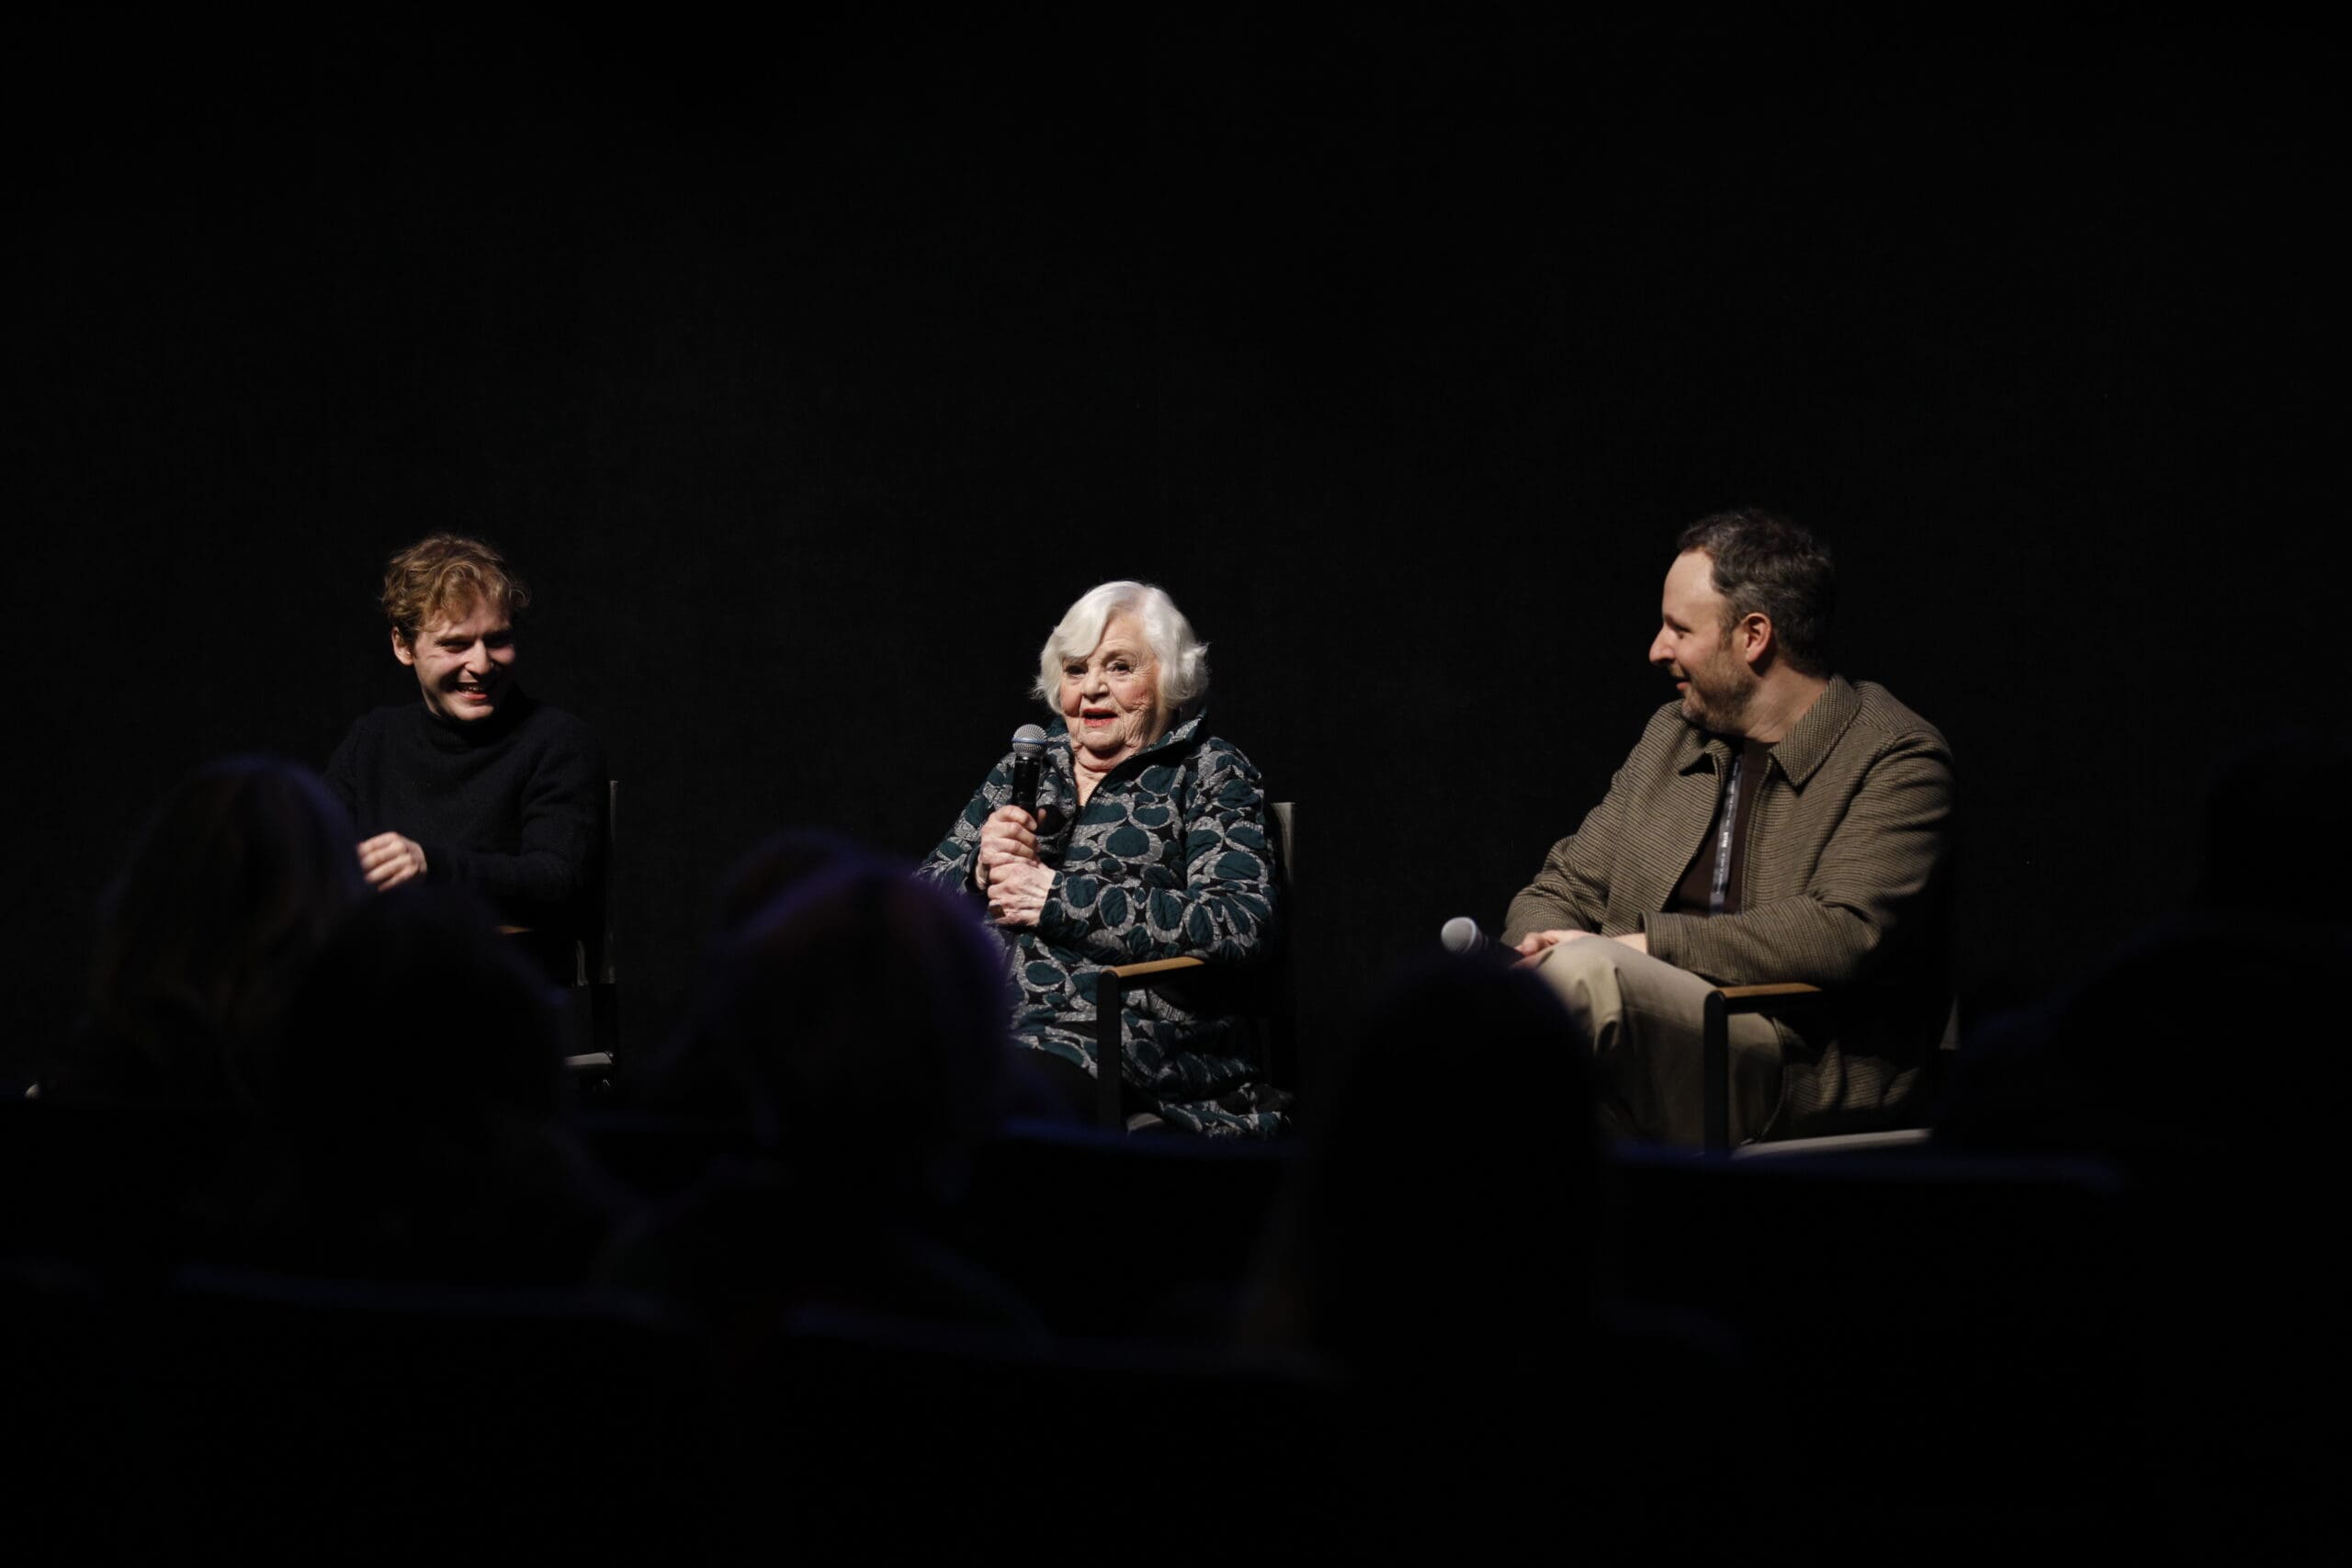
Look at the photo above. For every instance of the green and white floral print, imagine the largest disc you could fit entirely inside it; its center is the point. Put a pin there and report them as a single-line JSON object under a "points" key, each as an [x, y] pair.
{"points": [[1168, 858]]}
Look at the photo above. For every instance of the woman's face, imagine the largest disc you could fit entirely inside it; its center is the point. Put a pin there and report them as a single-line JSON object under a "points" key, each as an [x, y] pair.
{"points": [[1111, 699]]}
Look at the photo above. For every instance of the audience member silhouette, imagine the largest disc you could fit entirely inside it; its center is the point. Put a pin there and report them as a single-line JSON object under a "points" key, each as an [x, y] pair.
{"points": [[773, 867], [1451, 1261], [1408, 1249], [851, 1013], [2130, 1062], [414, 1102], [852, 1031], [229, 890], [684, 1078], [2204, 1061]]}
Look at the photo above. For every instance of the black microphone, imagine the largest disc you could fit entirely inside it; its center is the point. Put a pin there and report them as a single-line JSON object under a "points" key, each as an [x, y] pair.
{"points": [[1028, 767]]}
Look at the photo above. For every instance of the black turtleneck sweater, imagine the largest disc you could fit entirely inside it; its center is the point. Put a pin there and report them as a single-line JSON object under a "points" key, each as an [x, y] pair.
{"points": [[511, 807]]}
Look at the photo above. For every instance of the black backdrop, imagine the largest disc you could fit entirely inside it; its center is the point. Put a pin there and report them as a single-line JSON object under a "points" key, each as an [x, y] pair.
{"points": [[808, 374]]}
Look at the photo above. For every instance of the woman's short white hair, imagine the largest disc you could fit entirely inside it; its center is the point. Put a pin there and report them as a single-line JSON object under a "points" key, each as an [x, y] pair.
{"points": [[1182, 658]]}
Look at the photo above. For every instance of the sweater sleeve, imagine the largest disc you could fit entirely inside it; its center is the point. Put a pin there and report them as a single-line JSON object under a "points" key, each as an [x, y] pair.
{"points": [[562, 832], [954, 861], [1224, 908], [1874, 882]]}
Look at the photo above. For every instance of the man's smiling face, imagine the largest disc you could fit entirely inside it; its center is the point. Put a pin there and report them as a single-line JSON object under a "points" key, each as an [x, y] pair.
{"points": [[464, 662], [1696, 646]]}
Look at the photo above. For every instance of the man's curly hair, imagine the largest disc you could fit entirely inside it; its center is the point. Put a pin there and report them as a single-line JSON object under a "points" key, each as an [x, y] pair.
{"points": [[440, 577]]}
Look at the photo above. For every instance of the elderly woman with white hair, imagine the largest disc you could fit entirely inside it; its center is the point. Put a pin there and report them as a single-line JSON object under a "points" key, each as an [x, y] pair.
{"points": [[1149, 840]]}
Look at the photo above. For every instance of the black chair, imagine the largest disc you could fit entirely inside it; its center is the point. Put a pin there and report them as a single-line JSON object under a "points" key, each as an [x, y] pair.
{"points": [[293, 1409], [109, 1188], [1922, 1326], [917, 1430], [1789, 1000], [596, 983], [593, 983], [1273, 993], [68, 1406], [1054, 1211], [1714, 1044]]}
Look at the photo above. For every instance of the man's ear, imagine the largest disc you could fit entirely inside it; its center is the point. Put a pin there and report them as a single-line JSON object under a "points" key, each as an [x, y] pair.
{"points": [[1755, 638], [400, 649]]}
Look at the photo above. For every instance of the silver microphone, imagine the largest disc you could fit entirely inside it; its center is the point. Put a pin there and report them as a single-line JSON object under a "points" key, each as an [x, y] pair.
{"points": [[1462, 938]]}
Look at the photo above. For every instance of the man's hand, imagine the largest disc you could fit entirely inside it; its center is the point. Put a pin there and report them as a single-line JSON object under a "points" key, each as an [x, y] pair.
{"points": [[1543, 940], [388, 860], [1017, 896], [1008, 838], [1535, 943]]}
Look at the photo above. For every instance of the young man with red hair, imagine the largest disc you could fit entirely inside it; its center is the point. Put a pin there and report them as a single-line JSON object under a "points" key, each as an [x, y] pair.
{"points": [[477, 785]]}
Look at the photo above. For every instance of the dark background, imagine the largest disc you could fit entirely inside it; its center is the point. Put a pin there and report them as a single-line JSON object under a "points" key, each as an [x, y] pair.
{"points": [[808, 374]]}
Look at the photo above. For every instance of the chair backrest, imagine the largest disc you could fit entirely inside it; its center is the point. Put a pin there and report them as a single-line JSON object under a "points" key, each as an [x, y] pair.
{"points": [[1281, 1041], [595, 980]]}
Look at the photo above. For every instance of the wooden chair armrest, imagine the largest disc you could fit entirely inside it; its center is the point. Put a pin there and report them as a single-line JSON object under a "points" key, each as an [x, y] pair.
{"points": [[1762, 998], [1156, 966], [1110, 1041], [1715, 1048]]}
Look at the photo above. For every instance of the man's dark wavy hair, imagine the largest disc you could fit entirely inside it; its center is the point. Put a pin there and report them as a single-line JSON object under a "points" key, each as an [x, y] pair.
{"points": [[1765, 564]]}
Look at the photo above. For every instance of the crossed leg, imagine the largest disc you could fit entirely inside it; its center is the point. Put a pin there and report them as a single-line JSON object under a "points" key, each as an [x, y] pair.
{"points": [[1642, 1018]]}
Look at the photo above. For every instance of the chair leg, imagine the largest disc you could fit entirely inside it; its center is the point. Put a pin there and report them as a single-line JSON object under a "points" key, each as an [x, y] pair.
{"points": [[1714, 1074], [604, 1017], [1110, 1051]]}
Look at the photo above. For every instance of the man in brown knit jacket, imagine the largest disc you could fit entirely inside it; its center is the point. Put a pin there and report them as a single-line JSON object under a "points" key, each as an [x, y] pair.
{"points": [[1778, 823]]}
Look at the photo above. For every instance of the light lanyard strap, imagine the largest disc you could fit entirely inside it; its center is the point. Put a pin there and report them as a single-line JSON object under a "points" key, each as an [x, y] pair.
{"points": [[1723, 840]]}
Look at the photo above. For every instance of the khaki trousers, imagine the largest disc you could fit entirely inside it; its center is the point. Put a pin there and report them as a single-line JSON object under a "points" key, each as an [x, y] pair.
{"points": [[1641, 1017]]}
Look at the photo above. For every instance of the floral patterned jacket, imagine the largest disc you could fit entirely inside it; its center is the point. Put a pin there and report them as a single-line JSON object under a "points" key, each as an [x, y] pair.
{"points": [[1168, 858]]}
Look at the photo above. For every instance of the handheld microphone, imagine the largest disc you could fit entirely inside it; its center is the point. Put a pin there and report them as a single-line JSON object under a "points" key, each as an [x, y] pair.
{"points": [[1462, 937], [1028, 766]]}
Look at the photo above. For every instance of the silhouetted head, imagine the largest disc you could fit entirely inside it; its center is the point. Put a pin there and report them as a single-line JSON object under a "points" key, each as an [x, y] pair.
{"points": [[860, 1019], [2121, 1063], [777, 865], [419, 1011], [230, 887], [414, 1101], [2272, 844], [1449, 1212]]}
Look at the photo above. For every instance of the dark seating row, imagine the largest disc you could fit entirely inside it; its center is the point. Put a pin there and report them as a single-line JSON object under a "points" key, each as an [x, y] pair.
{"points": [[1902, 1339]]}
